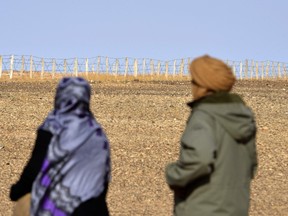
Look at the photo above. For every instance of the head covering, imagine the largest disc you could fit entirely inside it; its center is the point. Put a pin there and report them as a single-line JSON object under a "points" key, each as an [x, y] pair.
{"points": [[212, 74], [77, 165]]}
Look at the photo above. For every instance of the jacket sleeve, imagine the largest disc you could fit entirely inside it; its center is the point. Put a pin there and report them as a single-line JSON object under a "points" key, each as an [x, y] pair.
{"points": [[197, 151], [32, 168], [253, 155]]}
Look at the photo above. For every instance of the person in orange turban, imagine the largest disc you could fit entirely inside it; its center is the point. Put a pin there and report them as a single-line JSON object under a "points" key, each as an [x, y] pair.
{"points": [[210, 75], [217, 157]]}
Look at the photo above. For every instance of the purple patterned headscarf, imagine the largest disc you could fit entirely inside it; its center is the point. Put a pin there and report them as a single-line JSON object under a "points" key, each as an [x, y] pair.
{"points": [[77, 164]]}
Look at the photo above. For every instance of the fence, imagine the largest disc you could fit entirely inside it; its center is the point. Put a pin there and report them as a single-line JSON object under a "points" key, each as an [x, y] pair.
{"points": [[18, 66]]}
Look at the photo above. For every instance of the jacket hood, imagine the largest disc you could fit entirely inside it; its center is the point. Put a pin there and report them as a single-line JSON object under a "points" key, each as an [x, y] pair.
{"points": [[230, 112]]}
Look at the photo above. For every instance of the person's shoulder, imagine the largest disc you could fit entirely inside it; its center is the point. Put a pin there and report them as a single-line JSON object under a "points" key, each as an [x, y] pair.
{"points": [[201, 117]]}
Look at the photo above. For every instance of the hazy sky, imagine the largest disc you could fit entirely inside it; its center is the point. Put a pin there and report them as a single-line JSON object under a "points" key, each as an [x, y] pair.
{"points": [[159, 29]]}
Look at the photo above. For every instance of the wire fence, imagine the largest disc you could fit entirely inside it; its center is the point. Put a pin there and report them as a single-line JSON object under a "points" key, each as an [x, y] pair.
{"points": [[18, 66]]}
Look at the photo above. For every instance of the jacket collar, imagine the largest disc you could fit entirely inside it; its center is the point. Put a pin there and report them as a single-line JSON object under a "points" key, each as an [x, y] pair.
{"points": [[217, 98]]}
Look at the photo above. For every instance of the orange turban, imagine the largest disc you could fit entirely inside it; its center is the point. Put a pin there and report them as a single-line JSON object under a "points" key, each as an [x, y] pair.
{"points": [[212, 74]]}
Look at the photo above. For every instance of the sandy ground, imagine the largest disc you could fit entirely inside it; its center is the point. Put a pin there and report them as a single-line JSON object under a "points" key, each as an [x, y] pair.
{"points": [[144, 121]]}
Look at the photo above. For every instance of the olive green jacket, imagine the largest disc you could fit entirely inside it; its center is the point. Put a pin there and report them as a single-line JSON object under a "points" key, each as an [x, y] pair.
{"points": [[217, 159]]}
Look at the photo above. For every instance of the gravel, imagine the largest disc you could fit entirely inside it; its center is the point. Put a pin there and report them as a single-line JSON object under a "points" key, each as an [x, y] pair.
{"points": [[144, 121]]}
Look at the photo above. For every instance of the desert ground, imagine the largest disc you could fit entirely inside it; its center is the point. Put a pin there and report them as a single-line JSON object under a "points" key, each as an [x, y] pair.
{"points": [[144, 121]]}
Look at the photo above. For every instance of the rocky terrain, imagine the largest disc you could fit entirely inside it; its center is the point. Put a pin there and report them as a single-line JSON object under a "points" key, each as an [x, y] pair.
{"points": [[144, 121]]}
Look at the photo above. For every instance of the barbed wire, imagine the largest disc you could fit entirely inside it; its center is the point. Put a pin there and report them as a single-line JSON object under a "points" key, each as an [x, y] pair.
{"points": [[133, 66]]}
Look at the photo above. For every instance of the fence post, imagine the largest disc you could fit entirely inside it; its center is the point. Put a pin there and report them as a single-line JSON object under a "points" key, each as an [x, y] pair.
{"points": [[151, 67], [31, 66], [246, 69], [22, 66], [126, 66], [98, 64], [166, 69], [107, 65], [279, 70], [257, 70], [241, 70], [1, 59], [53, 68], [158, 68], [65, 67], [86, 67], [76, 67], [262, 71], [42, 68], [144, 67], [182, 68], [174, 68], [234, 68], [11, 66], [135, 68], [267, 69], [252, 69], [273, 69]]}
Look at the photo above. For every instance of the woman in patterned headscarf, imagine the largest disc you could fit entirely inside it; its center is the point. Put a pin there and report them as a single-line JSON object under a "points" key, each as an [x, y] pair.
{"points": [[75, 156]]}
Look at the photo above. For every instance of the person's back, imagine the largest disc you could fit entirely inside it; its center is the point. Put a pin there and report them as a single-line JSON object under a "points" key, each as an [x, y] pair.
{"points": [[217, 159]]}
